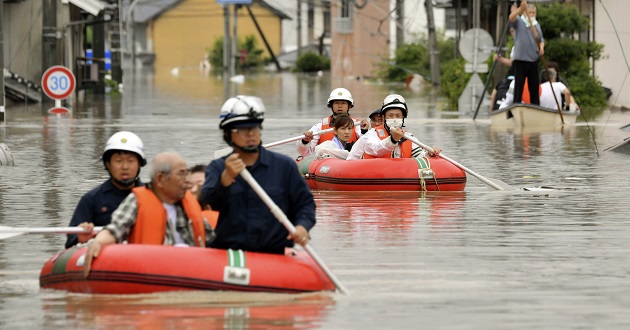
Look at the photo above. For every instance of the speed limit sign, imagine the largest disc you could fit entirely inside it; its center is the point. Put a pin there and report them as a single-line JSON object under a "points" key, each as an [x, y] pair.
{"points": [[58, 82]]}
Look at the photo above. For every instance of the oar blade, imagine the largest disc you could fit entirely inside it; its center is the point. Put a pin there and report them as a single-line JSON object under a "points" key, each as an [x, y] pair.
{"points": [[9, 234]]}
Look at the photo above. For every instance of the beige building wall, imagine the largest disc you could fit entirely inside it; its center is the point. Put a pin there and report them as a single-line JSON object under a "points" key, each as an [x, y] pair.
{"points": [[356, 53], [613, 68], [22, 27], [182, 35]]}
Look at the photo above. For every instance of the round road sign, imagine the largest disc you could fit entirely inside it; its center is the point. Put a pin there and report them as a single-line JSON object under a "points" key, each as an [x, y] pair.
{"points": [[482, 49], [58, 82]]}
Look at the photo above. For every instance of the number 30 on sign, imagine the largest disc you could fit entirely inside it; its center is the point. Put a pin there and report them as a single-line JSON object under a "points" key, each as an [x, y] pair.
{"points": [[58, 82]]}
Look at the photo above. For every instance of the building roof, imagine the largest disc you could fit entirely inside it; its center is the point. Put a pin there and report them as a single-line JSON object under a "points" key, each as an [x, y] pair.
{"points": [[147, 10]]}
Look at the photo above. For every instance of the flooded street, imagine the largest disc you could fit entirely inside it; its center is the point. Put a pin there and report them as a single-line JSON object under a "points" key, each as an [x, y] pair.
{"points": [[478, 259]]}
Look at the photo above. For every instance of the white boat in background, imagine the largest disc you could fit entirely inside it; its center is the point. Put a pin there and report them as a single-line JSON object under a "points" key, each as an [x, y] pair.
{"points": [[531, 116]]}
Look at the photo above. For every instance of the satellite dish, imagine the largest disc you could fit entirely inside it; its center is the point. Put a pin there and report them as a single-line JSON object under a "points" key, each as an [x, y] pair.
{"points": [[483, 48]]}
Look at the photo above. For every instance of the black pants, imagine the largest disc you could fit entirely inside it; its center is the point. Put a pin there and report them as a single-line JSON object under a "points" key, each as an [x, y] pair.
{"points": [[527, 70]]}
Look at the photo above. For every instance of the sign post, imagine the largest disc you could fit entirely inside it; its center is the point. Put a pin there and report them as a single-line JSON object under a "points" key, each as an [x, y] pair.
{"points": [[58, 83]]}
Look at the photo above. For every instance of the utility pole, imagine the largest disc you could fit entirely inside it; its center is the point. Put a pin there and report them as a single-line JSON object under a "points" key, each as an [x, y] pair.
{"points": [[400, 23], [1, 63], [299, 27], [434, 53], [226, 39], [234, 42]]}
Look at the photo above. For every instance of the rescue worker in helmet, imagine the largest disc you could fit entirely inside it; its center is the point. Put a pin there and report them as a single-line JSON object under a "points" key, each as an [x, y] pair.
{"points": [[387, 141], [123, 157], [245, 222], [340, 102]]}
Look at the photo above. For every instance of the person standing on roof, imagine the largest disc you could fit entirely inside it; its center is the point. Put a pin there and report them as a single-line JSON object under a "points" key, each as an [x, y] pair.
{"points": [[340, 102]]}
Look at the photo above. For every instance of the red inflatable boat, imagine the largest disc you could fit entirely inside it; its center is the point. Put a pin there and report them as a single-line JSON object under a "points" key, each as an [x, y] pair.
{"points": [[407, 174], [139, 268]]}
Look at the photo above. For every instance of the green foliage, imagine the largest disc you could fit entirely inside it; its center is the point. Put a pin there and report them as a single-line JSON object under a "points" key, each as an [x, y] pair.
{"points": [[453, 80], [253, 55], [561, 24], [561, 20], [414, 58], [588, 93], [312, 62]]}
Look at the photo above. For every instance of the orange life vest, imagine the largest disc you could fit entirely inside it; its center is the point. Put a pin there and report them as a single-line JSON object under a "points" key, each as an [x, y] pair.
{"points": [[405, 146], [526, 97], [330, 135], [212, 217], [150, 227]]}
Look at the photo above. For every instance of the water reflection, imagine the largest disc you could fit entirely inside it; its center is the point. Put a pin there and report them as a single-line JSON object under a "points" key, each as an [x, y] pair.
{"points": [[198, 310]]}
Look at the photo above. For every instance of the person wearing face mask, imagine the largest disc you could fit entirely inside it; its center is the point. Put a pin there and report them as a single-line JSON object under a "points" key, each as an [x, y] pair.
{"points": [[340, 102], [245, 222], [387, 141], [123, 157]]}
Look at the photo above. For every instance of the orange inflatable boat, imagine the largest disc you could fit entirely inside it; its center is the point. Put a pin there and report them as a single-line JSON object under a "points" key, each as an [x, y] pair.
{"points": [[406, 174], [140, 268]]}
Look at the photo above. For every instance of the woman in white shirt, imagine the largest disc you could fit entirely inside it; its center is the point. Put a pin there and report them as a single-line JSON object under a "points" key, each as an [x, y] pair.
{"points": [[338, 147]]}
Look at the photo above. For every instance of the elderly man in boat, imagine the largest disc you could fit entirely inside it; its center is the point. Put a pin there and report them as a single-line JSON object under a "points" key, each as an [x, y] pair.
{"points": [[162, 212], [388, 141], [561, 91]]}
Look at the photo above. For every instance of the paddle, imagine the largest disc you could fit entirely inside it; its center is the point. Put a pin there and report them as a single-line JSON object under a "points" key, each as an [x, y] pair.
{"points": [[494, 64], [277, 212], [495, 184], [8, 232], [226, 151]]}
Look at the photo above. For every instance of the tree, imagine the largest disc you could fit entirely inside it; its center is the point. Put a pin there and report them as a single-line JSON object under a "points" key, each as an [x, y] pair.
{"points": [[248, 47], [562, 24]]}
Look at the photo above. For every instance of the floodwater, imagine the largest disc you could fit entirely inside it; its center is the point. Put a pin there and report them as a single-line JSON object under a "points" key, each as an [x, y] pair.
{"points": [[478, 259]]}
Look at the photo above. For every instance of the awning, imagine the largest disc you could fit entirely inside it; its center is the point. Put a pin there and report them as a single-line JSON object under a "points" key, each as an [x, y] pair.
{"points": [[93, 7]]}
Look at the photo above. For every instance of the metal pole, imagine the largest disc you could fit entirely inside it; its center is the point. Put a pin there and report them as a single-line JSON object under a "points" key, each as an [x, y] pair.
{"points": [[400, 23], [226, 38], [434, 53], [299, 27], [234, 42], [262, 35], [2, 103]]}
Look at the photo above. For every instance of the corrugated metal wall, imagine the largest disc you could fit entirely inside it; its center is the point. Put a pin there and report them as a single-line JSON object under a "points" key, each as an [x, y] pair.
{"points": [[613, 68]]}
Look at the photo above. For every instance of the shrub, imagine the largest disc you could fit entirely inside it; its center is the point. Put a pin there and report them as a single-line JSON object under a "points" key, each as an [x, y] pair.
{"points": [[312, 62]]}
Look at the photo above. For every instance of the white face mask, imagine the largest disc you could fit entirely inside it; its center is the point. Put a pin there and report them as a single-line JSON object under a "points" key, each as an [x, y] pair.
{"points": [[394, 122]]}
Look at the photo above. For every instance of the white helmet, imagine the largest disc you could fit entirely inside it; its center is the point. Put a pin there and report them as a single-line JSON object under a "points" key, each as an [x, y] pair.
{"points": [[125, 141], [394, 101], [242, 110], [340, 94]]}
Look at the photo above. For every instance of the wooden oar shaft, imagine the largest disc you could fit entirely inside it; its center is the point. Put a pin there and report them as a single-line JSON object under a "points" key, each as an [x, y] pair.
{"points": [[46, 230], [277, 212], [273, 144], [466, 169], [226, 151]]}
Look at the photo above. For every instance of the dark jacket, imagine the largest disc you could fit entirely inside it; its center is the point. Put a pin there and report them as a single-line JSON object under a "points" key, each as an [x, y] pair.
{"points": [[97, 207], [245, 222]]}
